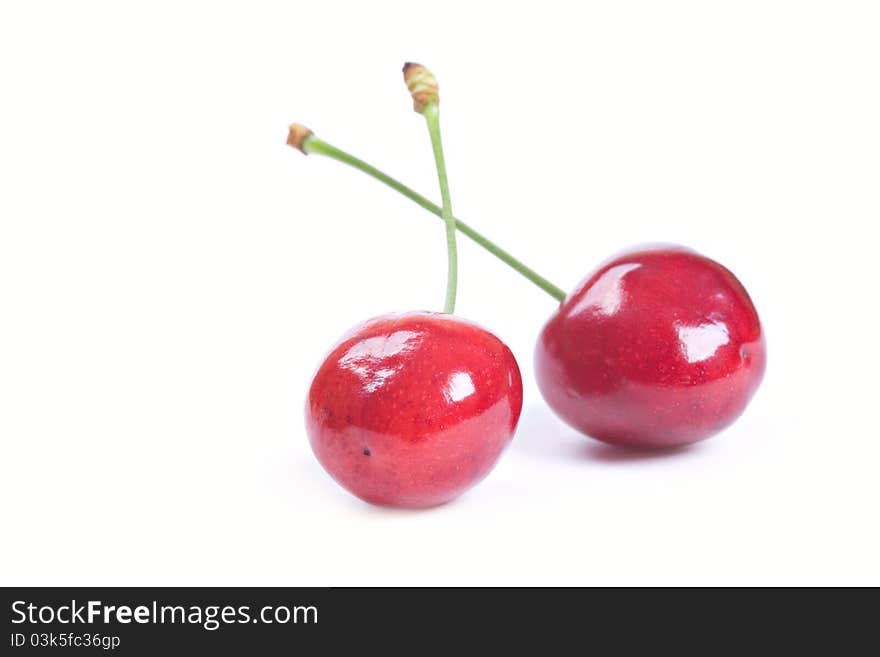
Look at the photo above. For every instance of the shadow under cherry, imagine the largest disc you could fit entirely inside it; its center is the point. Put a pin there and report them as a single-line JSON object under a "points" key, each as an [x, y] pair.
{"points": [[541, 434]]}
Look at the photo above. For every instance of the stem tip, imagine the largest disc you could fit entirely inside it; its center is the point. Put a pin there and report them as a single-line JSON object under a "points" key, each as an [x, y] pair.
{"points": [[422, 85], [297, 134]]}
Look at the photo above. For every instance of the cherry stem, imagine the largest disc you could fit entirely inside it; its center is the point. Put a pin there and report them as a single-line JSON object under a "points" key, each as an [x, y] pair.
{"points": [[432, 116], [313, 144]]}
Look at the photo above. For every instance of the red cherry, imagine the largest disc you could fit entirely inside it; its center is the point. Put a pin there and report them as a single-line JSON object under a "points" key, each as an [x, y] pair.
{"points": [[413, 409], [659, 347]]}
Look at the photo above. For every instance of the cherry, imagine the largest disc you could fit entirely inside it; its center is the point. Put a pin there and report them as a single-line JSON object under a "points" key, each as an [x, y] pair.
{"points": [[658, 347], [676, 361], [413, 409]]}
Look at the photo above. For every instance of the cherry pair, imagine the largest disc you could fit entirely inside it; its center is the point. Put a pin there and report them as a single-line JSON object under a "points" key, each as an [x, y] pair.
{"points": [[659, 347]]}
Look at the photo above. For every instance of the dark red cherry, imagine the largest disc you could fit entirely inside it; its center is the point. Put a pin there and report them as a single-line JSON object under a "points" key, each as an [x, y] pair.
{"points": [[413, 409], [659, 347]]}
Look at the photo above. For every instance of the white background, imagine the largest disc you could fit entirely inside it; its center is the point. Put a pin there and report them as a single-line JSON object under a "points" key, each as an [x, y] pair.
{"points": [[171, 273]]}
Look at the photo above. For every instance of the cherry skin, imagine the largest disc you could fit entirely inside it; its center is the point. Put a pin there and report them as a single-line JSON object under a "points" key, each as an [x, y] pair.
{"points": [[659, 347], [411, 410]]}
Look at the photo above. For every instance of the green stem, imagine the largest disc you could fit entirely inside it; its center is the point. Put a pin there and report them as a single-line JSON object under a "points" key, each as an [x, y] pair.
{"points": [[432, 117], [313, 144]]}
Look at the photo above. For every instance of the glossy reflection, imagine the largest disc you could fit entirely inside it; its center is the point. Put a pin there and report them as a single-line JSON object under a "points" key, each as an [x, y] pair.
{"points": [[702, 341], [460, 385], [605, 295], [413, 409], [657, 348], [373, 360]]}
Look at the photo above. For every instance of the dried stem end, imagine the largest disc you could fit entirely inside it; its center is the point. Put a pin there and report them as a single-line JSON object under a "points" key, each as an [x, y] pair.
{"points": [[421, 84], [297, 135]]}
